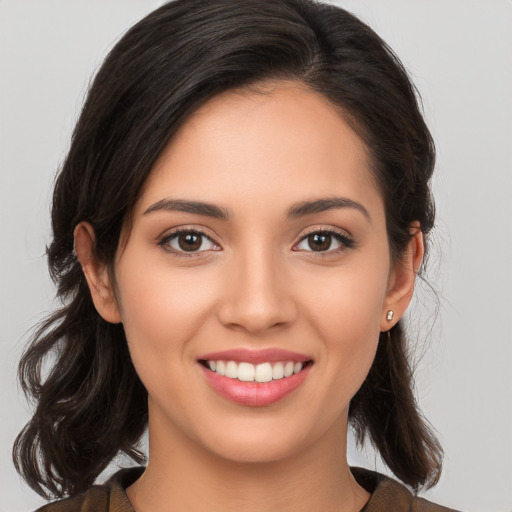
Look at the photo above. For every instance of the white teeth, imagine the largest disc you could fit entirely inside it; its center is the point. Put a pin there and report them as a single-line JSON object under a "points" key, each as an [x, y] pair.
{"points": [[220, 367], [231, 370], [263, 373], [278, 371], [288, 369], [247, 372]]}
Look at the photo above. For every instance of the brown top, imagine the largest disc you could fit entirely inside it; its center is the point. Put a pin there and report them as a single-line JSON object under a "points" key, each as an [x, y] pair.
{"points": [[387, 495]]}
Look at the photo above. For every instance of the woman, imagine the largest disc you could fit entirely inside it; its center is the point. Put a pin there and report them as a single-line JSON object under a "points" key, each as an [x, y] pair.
{"points": [[236, 233]]}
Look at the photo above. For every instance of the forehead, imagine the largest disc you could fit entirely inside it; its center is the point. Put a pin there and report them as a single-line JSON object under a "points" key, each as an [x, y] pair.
{"points": [[280, 142]]}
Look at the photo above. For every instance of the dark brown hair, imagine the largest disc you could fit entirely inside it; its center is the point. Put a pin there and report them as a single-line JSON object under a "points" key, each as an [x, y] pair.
{"points": [[90, 404]]}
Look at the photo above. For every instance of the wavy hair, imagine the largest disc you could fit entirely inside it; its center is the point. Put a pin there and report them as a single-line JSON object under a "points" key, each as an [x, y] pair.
{"points": [[90, 403]]}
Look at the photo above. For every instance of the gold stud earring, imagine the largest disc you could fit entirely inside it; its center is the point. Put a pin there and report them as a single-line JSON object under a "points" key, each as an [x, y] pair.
{"points": [[390, 315]]}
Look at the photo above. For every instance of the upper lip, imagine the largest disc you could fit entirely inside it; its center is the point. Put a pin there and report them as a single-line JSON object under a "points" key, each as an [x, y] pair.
{"points": [[268, 355]]}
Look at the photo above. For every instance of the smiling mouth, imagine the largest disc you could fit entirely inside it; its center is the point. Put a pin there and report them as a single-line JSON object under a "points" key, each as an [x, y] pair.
{"points": [[263, 372]]}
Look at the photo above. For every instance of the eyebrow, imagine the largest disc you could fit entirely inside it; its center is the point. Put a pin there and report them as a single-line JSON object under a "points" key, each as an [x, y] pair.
{"points": [[195, 207], [297, 210], [324, 204]]}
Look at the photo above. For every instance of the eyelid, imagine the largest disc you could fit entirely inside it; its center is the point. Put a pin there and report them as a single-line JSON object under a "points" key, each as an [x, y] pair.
{"points": [[341, 235], [325, 229], [164, 239]]}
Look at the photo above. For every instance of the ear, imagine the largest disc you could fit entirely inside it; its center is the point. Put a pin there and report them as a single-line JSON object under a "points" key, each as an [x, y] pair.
{"points": [[402, 278], [96, 274]]}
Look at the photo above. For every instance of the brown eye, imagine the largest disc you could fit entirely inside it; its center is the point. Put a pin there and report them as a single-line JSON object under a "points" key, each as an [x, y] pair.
{"points": [[319, 241], [190, 241], [324, 241]]}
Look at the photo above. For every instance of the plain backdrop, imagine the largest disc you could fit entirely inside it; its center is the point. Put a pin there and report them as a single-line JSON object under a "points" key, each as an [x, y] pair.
{"points": [[459, 53]]}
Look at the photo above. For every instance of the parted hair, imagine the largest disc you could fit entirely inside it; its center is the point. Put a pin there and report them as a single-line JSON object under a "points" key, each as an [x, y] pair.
{"points": [[89, 402]]}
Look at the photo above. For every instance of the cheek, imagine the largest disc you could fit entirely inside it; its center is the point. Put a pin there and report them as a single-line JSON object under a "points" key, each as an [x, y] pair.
{"points": [[161, 310], [351, 336], [345, 310], [347, 304]]}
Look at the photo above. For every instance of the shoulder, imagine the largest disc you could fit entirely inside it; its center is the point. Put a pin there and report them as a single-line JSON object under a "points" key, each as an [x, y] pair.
{"points": [[108, 497], [96, 498], [388, 494]]}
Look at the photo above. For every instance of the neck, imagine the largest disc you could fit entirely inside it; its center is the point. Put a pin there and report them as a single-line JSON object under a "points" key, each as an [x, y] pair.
{"points": [[182, 475]]}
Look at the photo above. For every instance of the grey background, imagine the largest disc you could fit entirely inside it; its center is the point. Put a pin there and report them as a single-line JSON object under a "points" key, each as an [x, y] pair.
{"points": [[459, 53]]}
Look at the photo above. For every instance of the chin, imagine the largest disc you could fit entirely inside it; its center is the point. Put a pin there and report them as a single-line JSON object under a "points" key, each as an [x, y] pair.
{"points": [[259, 442], [259, 451]]}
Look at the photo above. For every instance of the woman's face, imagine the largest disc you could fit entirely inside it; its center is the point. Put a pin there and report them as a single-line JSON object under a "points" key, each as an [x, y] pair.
{"points": [[258, 247]]}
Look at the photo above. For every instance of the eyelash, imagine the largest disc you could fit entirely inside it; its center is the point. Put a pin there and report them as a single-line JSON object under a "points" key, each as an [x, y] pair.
{"points": [[164, 241], [345, 241]]}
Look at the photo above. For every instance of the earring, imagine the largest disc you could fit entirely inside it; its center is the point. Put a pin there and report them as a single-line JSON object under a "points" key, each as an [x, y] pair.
{"points": [[390, 315]]}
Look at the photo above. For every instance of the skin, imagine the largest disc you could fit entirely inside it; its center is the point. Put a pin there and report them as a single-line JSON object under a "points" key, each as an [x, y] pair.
{"points": [[258, 284]]}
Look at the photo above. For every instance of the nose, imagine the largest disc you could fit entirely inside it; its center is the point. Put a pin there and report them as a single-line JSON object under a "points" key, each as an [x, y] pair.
{"points": [[258, 295]]}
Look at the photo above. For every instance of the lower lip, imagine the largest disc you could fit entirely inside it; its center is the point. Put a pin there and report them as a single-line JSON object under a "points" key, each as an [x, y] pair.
{"points": [[254, 394]]}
